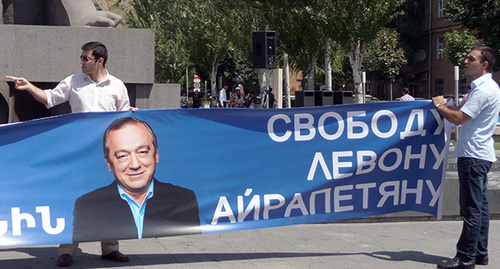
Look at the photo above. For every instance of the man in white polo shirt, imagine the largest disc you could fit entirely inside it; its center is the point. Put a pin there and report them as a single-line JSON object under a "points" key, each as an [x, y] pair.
{"points": [[92, 90]]}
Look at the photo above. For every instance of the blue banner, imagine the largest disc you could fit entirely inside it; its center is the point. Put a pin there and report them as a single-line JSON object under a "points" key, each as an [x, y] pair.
{"points": [[216, 170]]}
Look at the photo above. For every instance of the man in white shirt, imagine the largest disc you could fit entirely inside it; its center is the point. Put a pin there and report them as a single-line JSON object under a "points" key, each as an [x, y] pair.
{"points": [[475, 152], [92, 90], [223, 96], [406, 95]]}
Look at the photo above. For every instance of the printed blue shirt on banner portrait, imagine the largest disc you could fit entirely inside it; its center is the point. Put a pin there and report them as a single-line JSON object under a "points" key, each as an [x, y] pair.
{"points": [[248, 168]]}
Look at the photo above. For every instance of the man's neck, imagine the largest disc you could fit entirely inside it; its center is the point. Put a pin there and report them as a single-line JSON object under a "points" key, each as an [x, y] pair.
{"points": [[479, 75], [99, 76]]}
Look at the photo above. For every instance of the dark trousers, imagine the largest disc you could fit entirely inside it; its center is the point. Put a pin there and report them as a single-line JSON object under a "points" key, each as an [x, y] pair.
{"points": [[474, 210]]}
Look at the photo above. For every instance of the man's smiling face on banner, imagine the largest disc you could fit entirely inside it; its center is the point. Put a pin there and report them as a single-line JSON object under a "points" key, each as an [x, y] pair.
{"points": [[132, 157]]}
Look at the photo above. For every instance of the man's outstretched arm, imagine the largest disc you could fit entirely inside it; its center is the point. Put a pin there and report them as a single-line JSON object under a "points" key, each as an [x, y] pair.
{"points": [[24, 85]]}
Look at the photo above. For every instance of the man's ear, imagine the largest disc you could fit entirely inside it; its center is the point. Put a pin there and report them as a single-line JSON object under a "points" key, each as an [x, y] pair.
{"points": [[486, 64], [110, 166], [157, 157], [101, 61]]}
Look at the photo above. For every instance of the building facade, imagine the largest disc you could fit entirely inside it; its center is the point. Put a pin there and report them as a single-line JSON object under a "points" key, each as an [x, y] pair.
{"points": [[431, 73]]}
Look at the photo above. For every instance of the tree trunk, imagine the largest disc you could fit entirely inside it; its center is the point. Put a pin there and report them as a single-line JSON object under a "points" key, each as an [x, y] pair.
{"points": [[261, 76], [356, 60], [390, 90], [213, 78], [309, 75], [328, 65], [286, 65]]}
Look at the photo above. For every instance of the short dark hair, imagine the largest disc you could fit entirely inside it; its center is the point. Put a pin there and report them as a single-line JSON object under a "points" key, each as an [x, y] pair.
{"points": [[118, 124], [406, 91], [98, 50], [488, 55]]}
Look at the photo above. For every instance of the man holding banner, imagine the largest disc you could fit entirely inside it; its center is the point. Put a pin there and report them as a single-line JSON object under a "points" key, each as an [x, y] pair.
{"points": [[92, 90], [135, 204], [475, 153]]}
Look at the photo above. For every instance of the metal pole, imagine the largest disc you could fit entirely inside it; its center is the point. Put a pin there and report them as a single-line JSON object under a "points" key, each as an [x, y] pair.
{"points": [[287, 79], [206, 91], [267, 88], [457, 78], [187, 83], [457, 102], [363, 80], [187, 88]]}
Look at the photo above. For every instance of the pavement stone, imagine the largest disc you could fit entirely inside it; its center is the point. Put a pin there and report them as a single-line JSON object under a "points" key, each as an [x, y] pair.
{"points": [[418, 244]]}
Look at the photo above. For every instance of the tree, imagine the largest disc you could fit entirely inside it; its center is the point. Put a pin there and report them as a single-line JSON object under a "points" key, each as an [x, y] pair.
{"points": [[298, 33], [483, 17], [192, 34], [458, 46], [166, 18], [353, 24], [385, 56], [206, 28]]}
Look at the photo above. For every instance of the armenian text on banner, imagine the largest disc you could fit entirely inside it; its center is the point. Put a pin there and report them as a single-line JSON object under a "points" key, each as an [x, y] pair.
{"points": [[172, 172]]}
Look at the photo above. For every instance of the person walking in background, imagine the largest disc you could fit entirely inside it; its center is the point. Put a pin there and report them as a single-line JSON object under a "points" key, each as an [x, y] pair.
{"points": [[406, 95], [184, 100], [252, 100], [223, 95], [196, 99], [475, 152], [272, 101], [92, 90], [237, 98]]}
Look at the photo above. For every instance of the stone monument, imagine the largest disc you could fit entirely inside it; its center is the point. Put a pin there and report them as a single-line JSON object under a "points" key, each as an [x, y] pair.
{"points": [[57, 12]]}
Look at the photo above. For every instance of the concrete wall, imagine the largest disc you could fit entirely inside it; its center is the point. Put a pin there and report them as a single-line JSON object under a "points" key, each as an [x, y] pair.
{"points": [[158, 96], [51, 53]]}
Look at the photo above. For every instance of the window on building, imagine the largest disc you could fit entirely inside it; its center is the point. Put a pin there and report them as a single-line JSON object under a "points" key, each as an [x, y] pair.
{"points": [[440, 10], [439, 86], [463, 86], [440, 48]]}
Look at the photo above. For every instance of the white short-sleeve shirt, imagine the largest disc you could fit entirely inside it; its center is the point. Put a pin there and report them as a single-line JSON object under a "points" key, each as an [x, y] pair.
{"points": [[483, 106]]}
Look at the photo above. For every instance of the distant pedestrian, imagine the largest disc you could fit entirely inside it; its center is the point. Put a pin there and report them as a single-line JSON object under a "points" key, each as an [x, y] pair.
{"points": [[184, 100], [237, 99], [196, 99], [406, 95], [223, 95], [215, 102], [252, 100]]}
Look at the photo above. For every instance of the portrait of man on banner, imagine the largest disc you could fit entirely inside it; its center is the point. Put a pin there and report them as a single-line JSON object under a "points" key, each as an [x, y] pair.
{"points": [[135, 204]]}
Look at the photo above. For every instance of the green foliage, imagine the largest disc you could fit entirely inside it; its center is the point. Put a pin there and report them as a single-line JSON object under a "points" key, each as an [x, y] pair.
{"points": [[458, 46], [409, 29], [216, 35], [237, 68], [167, 18], [482, 17], [385, 55], [360, 20]]}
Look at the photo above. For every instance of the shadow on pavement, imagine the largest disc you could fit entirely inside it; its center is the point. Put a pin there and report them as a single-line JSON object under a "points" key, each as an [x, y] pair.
{"points": [[46, 257]]}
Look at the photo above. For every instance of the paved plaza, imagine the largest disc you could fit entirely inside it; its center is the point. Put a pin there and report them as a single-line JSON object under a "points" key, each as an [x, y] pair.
{"points": [[334, 245]]}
